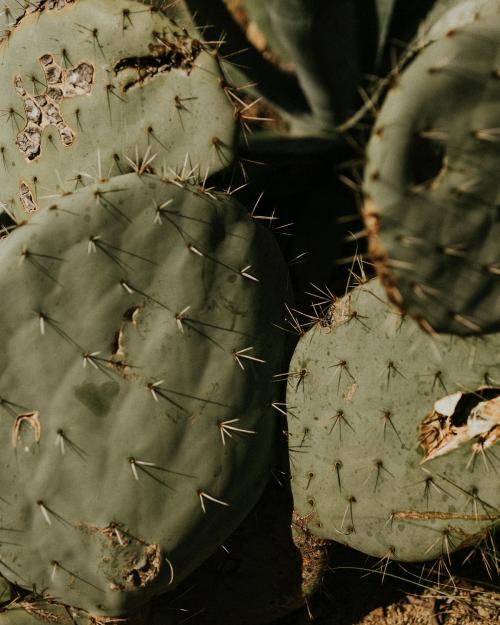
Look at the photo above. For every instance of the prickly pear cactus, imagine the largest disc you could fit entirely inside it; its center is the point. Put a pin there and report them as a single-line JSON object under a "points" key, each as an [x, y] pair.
{"points": [[431, 190], [392, 433], [138, 350], [96, 88]]}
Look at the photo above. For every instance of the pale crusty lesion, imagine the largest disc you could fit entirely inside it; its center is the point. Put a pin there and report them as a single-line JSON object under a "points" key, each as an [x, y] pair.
{"points": [[43, 110], [459, 418], [128, 561], [27, 198], [30, 419]]}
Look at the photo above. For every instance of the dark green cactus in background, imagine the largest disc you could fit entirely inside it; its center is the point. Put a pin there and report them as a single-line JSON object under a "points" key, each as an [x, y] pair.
{"points": [[316, 56], [431, 187]]}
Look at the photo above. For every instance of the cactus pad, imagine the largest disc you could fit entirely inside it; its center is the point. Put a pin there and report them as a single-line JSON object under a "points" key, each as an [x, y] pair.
{"points": [[93, 89], [135, 386], [432, 191], [392, 433]]}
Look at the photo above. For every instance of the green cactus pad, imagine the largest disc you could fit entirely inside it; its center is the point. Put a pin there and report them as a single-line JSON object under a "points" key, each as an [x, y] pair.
{"points": [[138, 350], [362, 396], [97, 88], [431, 184]]}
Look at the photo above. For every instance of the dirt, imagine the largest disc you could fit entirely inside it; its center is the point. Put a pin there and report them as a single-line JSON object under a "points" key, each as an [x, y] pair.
{"points": [[359, 590], [467, 605]]}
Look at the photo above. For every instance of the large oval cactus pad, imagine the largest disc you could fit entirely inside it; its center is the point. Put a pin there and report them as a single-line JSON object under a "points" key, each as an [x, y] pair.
{"points": [[392, 433], [138, 350]]}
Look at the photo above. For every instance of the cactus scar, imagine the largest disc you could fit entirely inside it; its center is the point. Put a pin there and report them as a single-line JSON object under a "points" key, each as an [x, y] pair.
{"points": [[459, 418], [165, 56], [43, 110]]}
